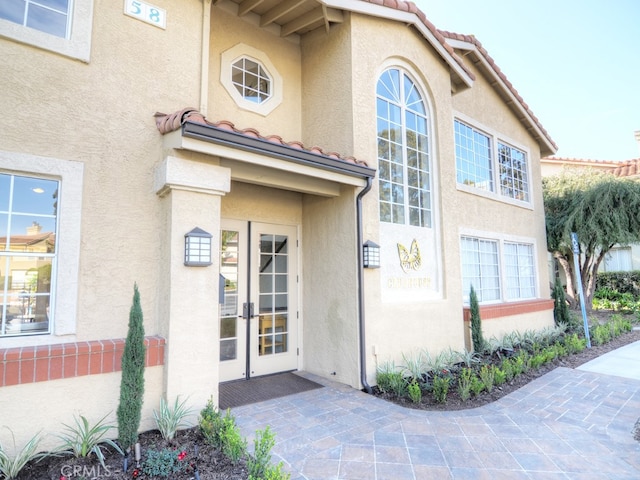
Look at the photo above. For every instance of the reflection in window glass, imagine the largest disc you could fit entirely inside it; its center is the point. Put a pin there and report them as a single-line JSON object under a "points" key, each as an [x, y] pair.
{"points": [[403, 151], [229, 311], [48, 16], [28, 219], [273, 301], [251, 80]]}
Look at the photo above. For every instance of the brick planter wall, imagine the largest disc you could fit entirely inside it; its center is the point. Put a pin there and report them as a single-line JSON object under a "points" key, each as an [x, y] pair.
{"points": [[67, 360]]}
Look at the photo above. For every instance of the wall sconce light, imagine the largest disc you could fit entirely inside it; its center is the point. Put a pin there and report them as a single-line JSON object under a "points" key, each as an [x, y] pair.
{"points": [[197, 248], [371, 255]]}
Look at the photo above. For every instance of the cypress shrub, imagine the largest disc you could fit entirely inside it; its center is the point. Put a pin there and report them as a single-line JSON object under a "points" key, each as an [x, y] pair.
{"points": [[476, 323], [132, 382], [560, 307]]}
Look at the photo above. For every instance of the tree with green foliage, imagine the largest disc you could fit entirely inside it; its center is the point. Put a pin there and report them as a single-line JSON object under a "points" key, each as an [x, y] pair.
{"points": [[476, 322], [132, 381], [602, 209], [561, 313]]}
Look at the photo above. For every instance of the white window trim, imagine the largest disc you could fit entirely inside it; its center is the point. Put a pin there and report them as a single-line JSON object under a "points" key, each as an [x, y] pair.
{"points": [[65, 295], [433, 171], [77, 46], [495, 138], [231, 56], [502, 238]]}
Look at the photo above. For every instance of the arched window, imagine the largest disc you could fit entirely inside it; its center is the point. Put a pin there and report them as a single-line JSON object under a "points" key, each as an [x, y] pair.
{"points": [[403, 151]]}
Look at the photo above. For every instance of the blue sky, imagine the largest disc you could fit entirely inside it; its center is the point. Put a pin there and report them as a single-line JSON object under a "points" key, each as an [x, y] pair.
{"points": [[576, 63]]}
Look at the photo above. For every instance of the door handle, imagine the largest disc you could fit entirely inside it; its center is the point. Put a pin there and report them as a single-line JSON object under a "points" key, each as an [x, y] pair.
{"points": [[247, 310]]}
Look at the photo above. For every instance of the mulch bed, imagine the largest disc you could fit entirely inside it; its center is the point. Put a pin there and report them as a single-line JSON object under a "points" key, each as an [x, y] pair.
{"points": [[454, 402], [209, 461]]}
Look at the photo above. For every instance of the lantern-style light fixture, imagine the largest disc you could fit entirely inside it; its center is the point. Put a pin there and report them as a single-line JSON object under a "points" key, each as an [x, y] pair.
{"points": [[197, 248], [371, 255]]}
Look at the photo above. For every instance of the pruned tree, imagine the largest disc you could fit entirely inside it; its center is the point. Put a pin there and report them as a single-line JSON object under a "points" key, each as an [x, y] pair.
{"points": [[476, 322], [132, 381], [602, 209]]}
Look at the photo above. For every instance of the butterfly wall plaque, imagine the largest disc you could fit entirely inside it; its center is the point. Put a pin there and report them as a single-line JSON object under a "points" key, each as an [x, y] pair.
{"points": [[410, 259]]}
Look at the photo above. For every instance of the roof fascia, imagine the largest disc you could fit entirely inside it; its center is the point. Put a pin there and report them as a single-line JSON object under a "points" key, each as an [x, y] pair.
{"points": [[374, 10], [549, 148], [258, 146]]}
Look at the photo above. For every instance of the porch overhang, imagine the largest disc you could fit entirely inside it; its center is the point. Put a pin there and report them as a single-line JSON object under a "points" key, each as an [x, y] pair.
{"points": [[262, 162]]}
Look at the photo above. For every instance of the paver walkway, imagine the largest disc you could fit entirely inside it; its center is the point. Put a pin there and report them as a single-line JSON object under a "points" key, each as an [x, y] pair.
{"points": [[567, 424]]}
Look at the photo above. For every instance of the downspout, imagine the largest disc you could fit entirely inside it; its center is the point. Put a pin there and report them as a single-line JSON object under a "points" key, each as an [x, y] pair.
{"points": [[363, 353], [204, 61]]}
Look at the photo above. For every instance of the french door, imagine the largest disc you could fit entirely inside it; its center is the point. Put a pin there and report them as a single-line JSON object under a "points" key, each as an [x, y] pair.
{"points": [[258, 319]]}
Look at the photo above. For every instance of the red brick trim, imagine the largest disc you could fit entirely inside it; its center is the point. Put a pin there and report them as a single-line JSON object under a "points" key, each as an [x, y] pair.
{"points": [[487, 312], [67, 360]]}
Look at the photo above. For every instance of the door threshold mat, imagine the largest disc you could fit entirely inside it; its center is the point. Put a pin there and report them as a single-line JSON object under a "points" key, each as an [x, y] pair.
{"points": [[259, 389]]}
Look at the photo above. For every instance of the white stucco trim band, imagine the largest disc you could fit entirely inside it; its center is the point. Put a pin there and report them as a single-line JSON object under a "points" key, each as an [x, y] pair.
{"points": [[180, 174]]}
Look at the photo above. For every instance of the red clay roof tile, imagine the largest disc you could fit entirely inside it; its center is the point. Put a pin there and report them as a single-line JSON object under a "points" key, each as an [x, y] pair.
{"points": [[167, 123]]}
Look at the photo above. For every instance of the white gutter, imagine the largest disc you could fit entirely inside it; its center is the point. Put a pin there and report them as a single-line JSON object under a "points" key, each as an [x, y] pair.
{"points": [[204, 61]]}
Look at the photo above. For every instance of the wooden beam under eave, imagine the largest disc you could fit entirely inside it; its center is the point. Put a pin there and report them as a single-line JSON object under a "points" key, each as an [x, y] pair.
{"points": [[247, 6], [333, 15], [299, 23], [276, 12]]}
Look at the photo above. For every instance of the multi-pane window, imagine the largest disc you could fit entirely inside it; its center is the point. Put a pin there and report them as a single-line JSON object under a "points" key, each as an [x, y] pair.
{"points": [[473, 157], [482, 162], [520, 270], [618, 260], [28, 223], [480, 268], [498, 269], [49, 16], [514, 180], [251, 80], [403, 151]]}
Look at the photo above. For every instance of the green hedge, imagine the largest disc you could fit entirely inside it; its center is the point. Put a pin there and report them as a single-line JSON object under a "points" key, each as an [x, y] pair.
{"points": [[621, 282]]}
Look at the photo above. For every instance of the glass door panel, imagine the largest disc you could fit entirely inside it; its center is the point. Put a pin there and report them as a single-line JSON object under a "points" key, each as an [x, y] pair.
{"points": [[260, 304], [276, 299]]}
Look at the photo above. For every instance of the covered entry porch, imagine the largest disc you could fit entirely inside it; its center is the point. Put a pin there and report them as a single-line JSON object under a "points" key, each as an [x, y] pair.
{"points": [[259, 192]]}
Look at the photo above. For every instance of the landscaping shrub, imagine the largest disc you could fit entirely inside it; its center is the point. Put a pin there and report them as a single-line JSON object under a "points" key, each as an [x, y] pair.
{"points": [[561, 313], [415, 393], [132, 380], [12, 463], [464, 384], [83, 439], [620, 282], [476, 322], [210, 424], [488, 375], [440, 388], [170, 419]]}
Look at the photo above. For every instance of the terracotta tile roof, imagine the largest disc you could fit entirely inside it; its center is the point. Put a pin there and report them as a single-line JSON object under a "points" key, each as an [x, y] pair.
{"points": [[410, 7], [474, 41], [442, 36], [612, 163], [628, 169], [167, 123]]}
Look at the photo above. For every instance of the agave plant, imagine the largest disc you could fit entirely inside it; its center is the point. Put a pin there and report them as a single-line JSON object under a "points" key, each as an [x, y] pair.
{"points": [[10, 465], [83, 439], [170, 419]]}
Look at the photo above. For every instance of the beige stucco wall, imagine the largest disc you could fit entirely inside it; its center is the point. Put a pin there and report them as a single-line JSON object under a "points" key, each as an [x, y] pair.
{"points": [[227, 30], [100, 115], [28, 409], [362, 46], [330, 277]]}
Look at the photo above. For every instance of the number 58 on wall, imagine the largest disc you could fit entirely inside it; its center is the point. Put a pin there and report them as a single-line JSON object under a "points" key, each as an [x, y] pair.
{"points": [[146, 12]]}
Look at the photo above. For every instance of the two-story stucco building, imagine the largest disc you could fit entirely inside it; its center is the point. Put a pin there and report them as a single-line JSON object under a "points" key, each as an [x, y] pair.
{"points": [[233, 158]]}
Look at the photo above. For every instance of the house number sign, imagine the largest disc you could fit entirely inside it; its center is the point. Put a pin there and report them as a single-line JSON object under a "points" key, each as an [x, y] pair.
{"points": [[146, 12]]}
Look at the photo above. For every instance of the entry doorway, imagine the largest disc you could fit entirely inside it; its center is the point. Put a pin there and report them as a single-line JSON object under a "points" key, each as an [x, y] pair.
{"points": [[259, 316]]}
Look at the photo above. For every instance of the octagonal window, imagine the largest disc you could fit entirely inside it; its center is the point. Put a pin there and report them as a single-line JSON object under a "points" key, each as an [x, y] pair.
{"points": [[251, 80]]}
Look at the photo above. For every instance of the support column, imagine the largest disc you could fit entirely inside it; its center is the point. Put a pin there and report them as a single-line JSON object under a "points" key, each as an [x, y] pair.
{"points": [[188, 307]]}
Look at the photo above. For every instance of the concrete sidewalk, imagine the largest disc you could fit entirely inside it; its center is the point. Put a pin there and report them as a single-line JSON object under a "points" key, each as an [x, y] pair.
{"points": [[622, 362], [567, 424]]}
